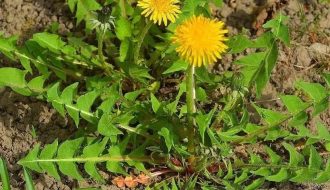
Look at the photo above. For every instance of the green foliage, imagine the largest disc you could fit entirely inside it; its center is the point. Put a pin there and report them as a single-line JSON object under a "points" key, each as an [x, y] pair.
{"points": [[83, 8], [4, 175], [28, 180], [88, 152], [257, 67], [126, 96]]}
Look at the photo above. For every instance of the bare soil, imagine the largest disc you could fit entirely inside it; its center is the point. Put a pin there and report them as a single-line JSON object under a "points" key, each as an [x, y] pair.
{"points": [[306, 58]]}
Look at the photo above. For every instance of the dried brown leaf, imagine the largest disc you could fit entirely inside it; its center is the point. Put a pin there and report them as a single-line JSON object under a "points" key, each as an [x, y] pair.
{"points": [[131, 182], [119, 182]]}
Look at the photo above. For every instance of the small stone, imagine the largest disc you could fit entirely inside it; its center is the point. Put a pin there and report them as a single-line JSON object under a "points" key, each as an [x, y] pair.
{"points": [[10, 18], [303, 57], [319, 48], [294, 5], [324, 22]]}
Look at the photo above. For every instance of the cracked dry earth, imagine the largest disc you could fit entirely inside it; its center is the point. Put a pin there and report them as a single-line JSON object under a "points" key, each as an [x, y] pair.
{"points": [[306, 58]]}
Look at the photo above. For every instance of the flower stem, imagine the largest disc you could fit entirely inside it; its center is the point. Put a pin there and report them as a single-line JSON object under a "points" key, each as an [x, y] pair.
{"points": [[191, 108], [123, 8], [100, 52], [140, 41]]}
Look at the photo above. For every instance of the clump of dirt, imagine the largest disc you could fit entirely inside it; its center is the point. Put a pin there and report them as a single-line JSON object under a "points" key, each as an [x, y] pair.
{"points": [[25, 17]]}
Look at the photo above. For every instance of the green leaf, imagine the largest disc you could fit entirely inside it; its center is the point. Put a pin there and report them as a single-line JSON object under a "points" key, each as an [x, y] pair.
{"points": [[67, 98], [48, 153], [218, 3], [270, 116], [265, 71], [52, 42], [69, 93], [28, 180], [115, 166], [242, 178], [139, 151], [239, 43], [72, 4], [106, 127], [295, 157], [29, 160], [84, 7], [201, 94], [303, 176], [25, 62], [37, 84], [250, 64], [282, 175], [107, 106], [203, 122], [274, 158], [264, 41], [155, 103], [13, 78], [7, 46], [323, 131], [315, 90], [132, 96], [262, 172], [140, 73], [4, 175], [230, 171], [68, 150], [279, 28], [168, 137], [326, 77], [53, 96], [315, 160], [256, 184], [179, 65], [123, 29], [189, 7], [124, 49], [324, 176], [85, 103], [94, 150], [294, 104]]}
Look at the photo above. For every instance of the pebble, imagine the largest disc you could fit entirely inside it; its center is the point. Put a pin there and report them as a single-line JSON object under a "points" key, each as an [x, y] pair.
{"points": [[319, 48], [325, 21], [303, 57], [294, 5]]}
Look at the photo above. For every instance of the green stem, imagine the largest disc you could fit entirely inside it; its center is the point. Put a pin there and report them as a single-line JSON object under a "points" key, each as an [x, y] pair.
{"points": [[140, 41], [123, 8], [191, 108], [100, 52], [104, 158]]}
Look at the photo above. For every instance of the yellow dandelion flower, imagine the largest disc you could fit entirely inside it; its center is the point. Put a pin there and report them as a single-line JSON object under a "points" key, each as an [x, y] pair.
{"points": [[200, 40], [160, 10]]}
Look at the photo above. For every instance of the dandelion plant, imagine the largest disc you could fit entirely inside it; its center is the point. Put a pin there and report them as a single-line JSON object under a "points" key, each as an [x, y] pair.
{"points": [[150, 103]]}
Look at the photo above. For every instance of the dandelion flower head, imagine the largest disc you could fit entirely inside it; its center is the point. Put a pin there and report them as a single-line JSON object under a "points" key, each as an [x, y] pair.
{"points": [[160, 10], [200, 40]]}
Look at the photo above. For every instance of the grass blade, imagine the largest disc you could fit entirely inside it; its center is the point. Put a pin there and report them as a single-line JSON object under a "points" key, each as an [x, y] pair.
{"points": [[28, 180], [4, 175]]}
